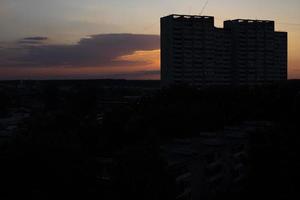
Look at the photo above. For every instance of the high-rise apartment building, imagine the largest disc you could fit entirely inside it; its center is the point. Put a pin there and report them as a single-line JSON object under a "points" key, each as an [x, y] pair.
{"points": [[244, 52]]}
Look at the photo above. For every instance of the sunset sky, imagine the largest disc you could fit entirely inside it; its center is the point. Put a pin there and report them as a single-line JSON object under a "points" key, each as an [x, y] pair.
{"points": [[53, 39]]}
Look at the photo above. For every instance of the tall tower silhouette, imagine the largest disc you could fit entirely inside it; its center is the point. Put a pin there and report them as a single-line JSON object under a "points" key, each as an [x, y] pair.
{"points": [[244, 52]]}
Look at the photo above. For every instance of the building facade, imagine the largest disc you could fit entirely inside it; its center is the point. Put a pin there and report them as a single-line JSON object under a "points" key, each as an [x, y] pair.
{"points": [[244, 52]]}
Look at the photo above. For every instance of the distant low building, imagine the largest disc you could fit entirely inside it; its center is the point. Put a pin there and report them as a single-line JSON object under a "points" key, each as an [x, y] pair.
{"points": [[212, 164]]}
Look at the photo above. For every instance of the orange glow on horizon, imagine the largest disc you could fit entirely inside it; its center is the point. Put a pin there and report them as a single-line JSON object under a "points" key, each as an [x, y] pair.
{"points": [[147, 61], [293, 53], [151, 58]]}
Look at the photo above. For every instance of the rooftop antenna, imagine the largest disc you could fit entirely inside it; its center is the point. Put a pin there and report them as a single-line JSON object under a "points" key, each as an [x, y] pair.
{"points": [[205, 5]]}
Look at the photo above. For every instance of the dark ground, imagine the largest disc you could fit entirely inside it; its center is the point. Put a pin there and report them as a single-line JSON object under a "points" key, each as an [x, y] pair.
{"points": [[54, 153]]}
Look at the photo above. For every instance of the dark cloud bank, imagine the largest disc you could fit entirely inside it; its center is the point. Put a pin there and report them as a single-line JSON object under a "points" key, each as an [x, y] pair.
{"points": [[33, 40], [96, 50], [38, 38]]}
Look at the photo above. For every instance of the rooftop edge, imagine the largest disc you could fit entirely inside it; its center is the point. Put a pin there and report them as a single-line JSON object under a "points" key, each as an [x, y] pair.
{"points": [[176, 16]]}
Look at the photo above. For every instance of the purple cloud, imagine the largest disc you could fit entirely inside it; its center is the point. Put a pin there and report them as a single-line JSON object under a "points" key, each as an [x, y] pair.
{"points": [[97, 50], [37, 38]]}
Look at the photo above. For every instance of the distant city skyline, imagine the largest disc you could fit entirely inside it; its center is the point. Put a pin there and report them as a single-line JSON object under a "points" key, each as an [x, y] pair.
{"points": [[42, 39]]}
